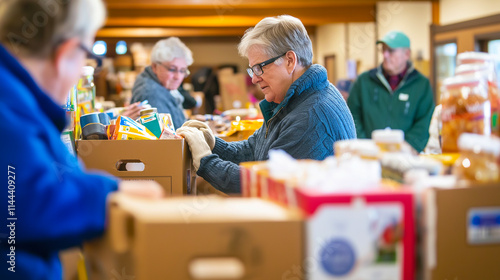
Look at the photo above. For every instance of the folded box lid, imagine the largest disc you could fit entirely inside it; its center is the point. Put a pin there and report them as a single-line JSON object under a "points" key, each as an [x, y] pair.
{"points": [[202, 209]]}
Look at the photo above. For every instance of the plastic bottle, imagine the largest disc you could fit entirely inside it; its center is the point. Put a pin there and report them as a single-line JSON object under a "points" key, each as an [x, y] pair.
{"points": [[478, 158], [86, 89], [85, 96], [68, 134], [70, 108]]}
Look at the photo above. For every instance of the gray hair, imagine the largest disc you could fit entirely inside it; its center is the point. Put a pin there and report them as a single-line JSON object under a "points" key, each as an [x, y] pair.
{"points": [[169, 49], [278, 35], [34, 28]]}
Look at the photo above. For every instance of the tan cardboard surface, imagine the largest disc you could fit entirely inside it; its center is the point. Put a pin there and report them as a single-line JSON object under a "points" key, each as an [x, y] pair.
{"points": [[166, 161], [202, 209], [454, 257], [205, 188], [163, 239], [232, 88]]}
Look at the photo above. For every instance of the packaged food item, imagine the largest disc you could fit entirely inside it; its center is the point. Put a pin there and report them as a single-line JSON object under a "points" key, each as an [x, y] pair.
{"points": [[478, 158], [166, 122], [94, 131], [169, 134], [389, 140], [395, 165], [243, 129], [128, 129], [474, 58], [113, 113], [110, 129], [95, 117], [446, 159], [362, 148], [149, 118], [465, 108], [482, 64], [89, 118]]}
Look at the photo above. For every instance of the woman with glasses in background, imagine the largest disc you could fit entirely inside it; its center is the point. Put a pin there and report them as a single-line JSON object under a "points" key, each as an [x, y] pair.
{"points": [[159, 82], [304, 114]]}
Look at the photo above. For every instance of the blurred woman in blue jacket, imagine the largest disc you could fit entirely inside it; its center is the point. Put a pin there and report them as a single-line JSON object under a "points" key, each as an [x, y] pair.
{"points": [[49, 203]]}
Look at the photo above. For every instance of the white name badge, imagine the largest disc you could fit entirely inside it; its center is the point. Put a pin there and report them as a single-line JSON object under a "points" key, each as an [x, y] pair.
{"points": [[403, 96]]}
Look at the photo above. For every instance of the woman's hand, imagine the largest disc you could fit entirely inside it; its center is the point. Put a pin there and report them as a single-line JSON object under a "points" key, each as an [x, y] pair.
{"points": [[132, 110]]}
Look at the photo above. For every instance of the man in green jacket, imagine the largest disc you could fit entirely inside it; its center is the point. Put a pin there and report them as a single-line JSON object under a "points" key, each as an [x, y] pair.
{"points": [[393, 95]]}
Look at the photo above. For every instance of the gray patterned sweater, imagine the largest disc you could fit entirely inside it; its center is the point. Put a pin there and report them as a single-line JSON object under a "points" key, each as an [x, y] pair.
{"points": [[148, 87], [310, 119]]}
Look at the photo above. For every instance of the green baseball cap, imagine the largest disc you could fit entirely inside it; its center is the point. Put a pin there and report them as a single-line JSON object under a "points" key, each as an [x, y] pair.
{"points": [[395, 39]]}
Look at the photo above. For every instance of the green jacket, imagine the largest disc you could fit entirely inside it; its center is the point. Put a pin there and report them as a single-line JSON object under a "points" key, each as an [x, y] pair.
{"points": [[409, 107]]}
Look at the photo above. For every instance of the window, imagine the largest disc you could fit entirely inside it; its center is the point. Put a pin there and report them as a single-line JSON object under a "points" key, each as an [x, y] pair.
{"points": [[494, 49], [100, 48], [121, 47], [446, 55]]}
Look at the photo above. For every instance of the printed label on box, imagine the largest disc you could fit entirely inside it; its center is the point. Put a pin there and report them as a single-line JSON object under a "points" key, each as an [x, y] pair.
{"points": [[483, 225], [337, 257], [356, 242]]}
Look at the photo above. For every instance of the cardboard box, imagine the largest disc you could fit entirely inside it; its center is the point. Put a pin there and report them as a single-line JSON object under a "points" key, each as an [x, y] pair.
{"points": [[254, 179], [168, 161], [361, 236], [233, 90], [462, 233], [256, 182], [370, 235], [204, 237], [205, 188]]}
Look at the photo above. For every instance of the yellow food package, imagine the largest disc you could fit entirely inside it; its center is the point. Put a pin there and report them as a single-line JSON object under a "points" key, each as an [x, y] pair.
{"points": [[250, 126], [128, 129]]}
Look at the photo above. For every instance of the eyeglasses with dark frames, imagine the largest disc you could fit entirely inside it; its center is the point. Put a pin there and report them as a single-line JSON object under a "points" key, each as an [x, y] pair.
{"points": [[257, 68], [174, 70], [385, 48], [91, 55]]}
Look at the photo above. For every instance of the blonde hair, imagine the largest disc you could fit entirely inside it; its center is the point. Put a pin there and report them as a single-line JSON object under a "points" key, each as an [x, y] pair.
{"points": [[278, 35], [168, 49], [35, 28]]}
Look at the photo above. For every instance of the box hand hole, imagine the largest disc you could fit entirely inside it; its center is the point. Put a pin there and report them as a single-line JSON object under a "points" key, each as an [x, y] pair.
{"points": [[216, 268], [130, 165]]}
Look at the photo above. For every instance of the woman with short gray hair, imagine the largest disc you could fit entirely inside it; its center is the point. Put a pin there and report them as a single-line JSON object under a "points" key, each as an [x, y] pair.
{"points": [[304, 114], [53, 203], [278, 35], [35, 29], [159, 82]]}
